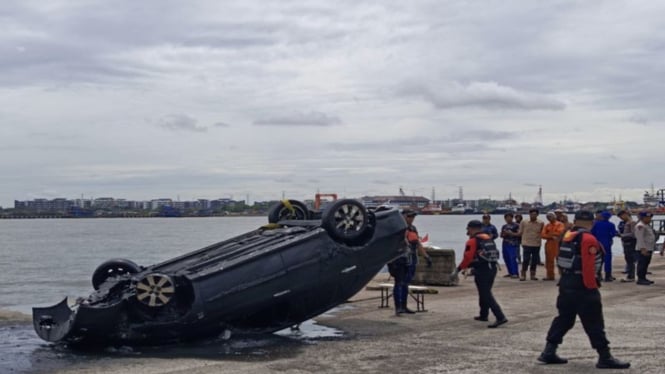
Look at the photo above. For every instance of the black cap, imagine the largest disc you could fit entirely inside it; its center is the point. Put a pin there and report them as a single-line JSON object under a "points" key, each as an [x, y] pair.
{"points": [[409, 212], [621, 212], [584, 215], [474, 223]]}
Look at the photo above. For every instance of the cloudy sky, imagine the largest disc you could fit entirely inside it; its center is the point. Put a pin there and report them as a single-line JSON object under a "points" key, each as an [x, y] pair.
{"points": [[210, 99]]}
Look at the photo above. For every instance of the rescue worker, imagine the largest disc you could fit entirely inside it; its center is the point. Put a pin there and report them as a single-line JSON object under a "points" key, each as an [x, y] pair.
{"points": [[552, 232], [403, 268], [645, 243], [482, 255], [563, 218], [605, 231], [580, 257], [628, 241]]}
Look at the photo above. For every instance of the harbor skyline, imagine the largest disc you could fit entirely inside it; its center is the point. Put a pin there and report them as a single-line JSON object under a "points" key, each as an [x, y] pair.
{"points": [[226, 99]]}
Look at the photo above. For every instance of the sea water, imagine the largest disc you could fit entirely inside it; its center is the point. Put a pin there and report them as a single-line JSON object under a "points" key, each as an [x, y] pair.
{"points": [[44, 260]]}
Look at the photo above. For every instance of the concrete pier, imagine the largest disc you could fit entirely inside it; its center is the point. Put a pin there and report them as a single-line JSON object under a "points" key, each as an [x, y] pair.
{"points": [[446, 339]]}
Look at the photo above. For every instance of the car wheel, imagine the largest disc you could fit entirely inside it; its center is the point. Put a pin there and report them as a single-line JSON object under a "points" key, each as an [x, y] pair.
{"points": [[346, 220], [113, 268], [288, 209], [155, 290]]}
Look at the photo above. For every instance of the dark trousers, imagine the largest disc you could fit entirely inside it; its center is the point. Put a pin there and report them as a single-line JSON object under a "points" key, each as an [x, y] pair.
{"points": [[630, 257], [587, 305], [530, 257], [643, 264], [399, 271], [484, 278]]}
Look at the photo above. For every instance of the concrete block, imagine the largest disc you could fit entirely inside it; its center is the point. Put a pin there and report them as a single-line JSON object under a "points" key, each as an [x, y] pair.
{"points": [[443, 263]]}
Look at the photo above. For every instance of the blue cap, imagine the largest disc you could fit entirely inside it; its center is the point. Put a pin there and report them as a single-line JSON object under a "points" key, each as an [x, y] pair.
{"points": [[605, 214], [645, 214]]}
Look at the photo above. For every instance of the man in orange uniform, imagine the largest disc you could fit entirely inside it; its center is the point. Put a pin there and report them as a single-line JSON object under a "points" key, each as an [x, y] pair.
{"points": [[552, 232], [481, 254], [580, 259]]}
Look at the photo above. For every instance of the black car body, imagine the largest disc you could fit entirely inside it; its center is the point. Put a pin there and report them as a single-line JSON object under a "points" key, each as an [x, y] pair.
{"points": [[262, 281]]}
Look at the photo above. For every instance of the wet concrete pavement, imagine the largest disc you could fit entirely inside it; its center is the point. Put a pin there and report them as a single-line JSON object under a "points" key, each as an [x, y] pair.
{"points": [[445, 339]]}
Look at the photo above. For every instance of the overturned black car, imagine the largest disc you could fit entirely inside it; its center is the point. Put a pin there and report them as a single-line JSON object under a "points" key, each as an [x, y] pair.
{"points": [[300, 265]]}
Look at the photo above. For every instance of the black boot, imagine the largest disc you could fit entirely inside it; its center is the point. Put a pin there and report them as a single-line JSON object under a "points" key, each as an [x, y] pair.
{"points": [[606, 361], [549, 355], [399, 309], [407, 310]]}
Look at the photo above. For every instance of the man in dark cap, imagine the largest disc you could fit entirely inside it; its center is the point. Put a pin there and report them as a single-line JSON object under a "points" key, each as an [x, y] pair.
{"points": [[403, 268], [628, 241], [645, 243], [482, 255], [580, 259]]}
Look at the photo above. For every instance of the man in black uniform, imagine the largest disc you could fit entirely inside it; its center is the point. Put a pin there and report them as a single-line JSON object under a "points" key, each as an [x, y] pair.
{"points": [[481, 254], [403, 268], [580, 260]]}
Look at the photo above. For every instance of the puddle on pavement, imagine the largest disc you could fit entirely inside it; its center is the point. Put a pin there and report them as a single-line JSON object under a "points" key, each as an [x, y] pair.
{"points": [[21, 351]]}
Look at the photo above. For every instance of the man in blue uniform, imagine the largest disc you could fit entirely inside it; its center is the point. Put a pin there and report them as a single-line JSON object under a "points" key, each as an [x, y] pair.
{"points": [[580, 258], [605, 231], [510, 245]]}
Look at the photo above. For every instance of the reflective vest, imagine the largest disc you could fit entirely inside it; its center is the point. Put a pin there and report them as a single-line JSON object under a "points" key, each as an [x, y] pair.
{"points": [[570, 253], [486, 250], [412, 238]]}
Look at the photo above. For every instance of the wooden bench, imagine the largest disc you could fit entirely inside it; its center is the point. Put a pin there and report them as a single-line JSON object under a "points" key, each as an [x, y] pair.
{"points": [[417, 293]]}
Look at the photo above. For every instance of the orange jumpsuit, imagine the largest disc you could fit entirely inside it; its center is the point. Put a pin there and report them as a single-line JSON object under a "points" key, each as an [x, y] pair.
{"points": [[552, 232]]}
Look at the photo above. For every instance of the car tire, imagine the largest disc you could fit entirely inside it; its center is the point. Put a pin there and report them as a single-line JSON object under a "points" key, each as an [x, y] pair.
{"points": [[346, 220], [155, 290], [113, 268], [296, 211]]}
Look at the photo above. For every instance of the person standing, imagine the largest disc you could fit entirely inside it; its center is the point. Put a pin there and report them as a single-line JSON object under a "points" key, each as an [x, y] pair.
{"points": [[552, 232], [481, 254], [510, 245], [530, 233], [563, 218], [605, 231], [403, 268], [518, 221], [580, 258], [645, 242], [488, 227], [628, 241]]}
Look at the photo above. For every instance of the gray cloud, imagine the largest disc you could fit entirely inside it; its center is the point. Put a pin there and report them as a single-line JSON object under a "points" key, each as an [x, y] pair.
{"points": [[486, 95], [300, 119], [640, 120], [180, 122], [467, 92]]}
